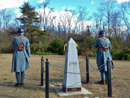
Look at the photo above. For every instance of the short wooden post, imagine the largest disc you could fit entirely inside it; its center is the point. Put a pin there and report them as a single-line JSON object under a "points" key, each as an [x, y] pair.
{"points": [[109, 78], [47, 79], [42, 71], [87, 70]]}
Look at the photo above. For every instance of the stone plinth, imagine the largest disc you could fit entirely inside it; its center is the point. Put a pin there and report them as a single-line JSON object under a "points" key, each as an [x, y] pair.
{"points": [[84, 92]]}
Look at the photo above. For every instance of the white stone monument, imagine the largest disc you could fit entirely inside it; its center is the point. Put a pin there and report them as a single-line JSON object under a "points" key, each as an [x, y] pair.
{"points": [[71, 82]]}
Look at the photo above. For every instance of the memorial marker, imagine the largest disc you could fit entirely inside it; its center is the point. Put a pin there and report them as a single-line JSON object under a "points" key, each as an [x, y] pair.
{"points": [[71, 81]]}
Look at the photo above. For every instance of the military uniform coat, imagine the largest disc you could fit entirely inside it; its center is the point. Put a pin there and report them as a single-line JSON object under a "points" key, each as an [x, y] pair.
{"points": [[20, 60], [103, 55]]}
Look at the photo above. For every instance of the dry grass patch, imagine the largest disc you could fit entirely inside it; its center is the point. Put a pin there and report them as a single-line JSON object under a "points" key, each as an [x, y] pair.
{"points": [[120, 78]]}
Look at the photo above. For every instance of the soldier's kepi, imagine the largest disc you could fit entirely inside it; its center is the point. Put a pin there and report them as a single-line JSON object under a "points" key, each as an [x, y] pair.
{"points": [[21, 55], [103, 46]]}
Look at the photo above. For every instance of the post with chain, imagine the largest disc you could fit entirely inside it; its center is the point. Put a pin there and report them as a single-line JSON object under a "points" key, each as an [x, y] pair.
{"points": [[87, 70], [109, 78], [42, 71], [47, 79]]}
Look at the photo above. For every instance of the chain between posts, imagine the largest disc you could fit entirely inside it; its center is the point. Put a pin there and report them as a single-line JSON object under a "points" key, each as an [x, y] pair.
{"points": [[97, 69], [75, 73], [63, 66], [108, 70], [81, 62]]}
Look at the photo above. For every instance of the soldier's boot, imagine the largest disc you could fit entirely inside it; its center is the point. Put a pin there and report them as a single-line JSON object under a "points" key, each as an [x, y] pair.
{"points": [[17, 84], [106, 82], [22, 84], [101, 82]]}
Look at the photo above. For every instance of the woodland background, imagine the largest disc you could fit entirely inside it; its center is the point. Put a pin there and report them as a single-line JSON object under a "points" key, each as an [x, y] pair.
{"points": [[50, 39]]}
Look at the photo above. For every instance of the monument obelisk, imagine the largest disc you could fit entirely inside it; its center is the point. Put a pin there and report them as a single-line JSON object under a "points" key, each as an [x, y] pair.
{"points": [[71, 81]]}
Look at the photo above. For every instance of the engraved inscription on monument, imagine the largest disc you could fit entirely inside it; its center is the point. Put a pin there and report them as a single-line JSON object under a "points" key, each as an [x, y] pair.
{"points": [[72, 63]]}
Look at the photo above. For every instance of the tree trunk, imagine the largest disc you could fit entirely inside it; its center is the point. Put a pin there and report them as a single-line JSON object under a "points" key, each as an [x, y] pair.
{"points": [[31, 39]]}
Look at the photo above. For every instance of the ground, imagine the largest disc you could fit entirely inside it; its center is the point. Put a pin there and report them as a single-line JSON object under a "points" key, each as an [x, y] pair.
{"points": [[120, 78]]}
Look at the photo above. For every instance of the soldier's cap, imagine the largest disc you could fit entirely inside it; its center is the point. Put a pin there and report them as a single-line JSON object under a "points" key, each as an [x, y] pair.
{"points": [[20, 30], [102, 32]]}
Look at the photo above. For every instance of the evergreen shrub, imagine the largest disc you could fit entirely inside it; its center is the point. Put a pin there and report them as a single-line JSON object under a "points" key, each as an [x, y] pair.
{"points": [[56, 46], [124, 55], [36, 48]]}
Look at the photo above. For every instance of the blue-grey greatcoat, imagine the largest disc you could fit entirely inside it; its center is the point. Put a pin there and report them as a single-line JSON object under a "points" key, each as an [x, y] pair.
{"points": [[20, 57], [103, 55]]}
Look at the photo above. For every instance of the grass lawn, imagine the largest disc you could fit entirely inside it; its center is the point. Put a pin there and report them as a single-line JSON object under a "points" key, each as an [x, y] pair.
{"points": [[120, 78]]}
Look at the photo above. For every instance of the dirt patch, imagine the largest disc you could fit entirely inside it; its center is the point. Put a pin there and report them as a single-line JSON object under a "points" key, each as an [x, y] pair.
{"points": [[120, 78]]}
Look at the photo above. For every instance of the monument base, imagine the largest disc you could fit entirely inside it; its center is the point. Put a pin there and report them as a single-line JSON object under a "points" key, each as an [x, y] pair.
{"points": [[84, 92], [71, 89]]}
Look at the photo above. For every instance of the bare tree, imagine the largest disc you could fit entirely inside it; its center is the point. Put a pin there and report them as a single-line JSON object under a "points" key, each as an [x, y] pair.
{"points": [[14, 17], [116, 23], [125, 9], [5, 22], [96, 19], [107, 8], [59, 28], [83, 15], [63, 20], [0, 23], [44, 15], [75, 30], [6, 18]]}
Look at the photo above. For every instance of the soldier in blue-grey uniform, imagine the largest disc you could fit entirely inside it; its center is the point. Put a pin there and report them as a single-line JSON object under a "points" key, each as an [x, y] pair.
{"points": [[103, 46], [21, 55]]}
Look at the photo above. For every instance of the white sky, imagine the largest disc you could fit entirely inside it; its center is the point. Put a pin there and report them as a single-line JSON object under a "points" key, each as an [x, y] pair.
{"points": [[121, 1], [11, 3], [40, 1], [17, 11], [92, 2]]}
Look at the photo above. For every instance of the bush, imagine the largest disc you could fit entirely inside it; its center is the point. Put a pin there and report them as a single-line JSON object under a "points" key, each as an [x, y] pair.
{"points": [[86, 45], [124, 55], [56, 46], [38, 48], [117, 45], [0, 51], [7, 48], [45, 53]]}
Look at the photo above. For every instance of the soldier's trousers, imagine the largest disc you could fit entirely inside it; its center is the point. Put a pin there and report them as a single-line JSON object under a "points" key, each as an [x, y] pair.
{"points": [[103, 75], [17, 74]]}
